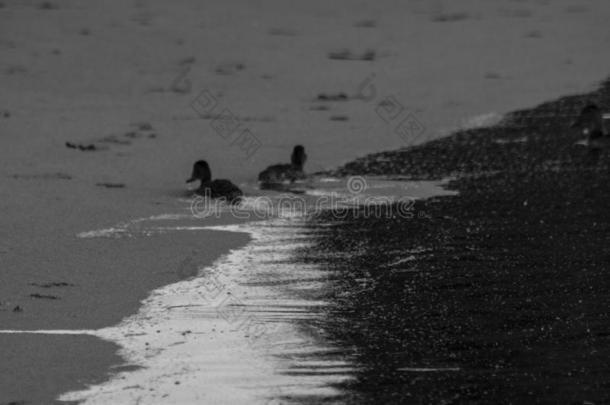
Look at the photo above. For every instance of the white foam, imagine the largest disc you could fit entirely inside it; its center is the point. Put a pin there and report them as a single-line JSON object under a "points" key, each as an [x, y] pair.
{"points": [[49, 332], [192, 347], [482, 120], [134, 227], [523, 139], [328, 180], [475, 122], [428, 369], [103, 233]]}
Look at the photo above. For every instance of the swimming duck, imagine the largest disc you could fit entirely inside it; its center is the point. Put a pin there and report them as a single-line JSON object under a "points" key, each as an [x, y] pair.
{"points": [[214, 188], [591, 122], [282, 173]]}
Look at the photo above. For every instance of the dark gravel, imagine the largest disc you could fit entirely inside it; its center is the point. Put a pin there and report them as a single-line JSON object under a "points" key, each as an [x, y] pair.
{"points": [[506, 282]]}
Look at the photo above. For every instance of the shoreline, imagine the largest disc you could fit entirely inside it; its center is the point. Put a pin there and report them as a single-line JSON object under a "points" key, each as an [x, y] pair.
{"points": [[193, 334], [497, 148], [445, 238]]}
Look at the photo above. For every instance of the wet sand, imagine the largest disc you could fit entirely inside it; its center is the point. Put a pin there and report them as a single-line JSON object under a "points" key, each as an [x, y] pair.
{"points": [[497, 295]]}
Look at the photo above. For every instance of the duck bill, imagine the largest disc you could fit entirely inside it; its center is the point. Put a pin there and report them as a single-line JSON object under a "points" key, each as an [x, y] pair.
{"points": [[192, 179]]}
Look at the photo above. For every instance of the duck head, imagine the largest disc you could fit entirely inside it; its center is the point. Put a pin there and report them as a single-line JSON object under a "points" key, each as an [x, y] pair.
{"points": [[201, 171], [590, 121], [298, 157]]}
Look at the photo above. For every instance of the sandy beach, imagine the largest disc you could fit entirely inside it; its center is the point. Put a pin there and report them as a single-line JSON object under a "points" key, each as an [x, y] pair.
{"points": [[105, 106]]}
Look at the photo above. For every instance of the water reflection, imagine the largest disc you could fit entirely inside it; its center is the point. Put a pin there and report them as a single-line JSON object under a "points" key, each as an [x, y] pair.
{"points": [[281, 320]]}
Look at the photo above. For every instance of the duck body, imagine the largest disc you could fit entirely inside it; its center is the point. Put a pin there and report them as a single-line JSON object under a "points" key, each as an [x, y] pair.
{"points": [[285, 173], [281, 173], [591, 123], [219, 188]]}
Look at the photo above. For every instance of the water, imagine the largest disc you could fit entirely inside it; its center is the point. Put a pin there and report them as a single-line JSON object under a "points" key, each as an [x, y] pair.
{"points": [[250, 328]]}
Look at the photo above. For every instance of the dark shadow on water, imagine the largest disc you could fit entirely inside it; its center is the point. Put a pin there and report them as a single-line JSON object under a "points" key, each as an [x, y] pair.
{"points": [[282, 188]]}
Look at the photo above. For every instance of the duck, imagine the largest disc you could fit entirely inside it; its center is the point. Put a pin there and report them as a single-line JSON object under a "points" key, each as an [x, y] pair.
{"points": [[219, 188], [283, 173], [591, 123]]}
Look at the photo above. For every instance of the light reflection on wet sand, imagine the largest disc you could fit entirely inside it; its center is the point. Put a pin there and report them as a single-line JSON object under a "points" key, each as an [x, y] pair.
{"points": [[237, 340]]}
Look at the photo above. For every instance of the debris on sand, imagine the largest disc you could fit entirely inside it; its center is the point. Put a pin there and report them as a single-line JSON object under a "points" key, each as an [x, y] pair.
{"points": [[111, 185], [450, 17], [346, 54], [230, 68], [493, 75], [332, 97], [142, 130], [53, 284], [85, 148], [143, 126], [115, 139], [43, 176], [46, 297]]}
